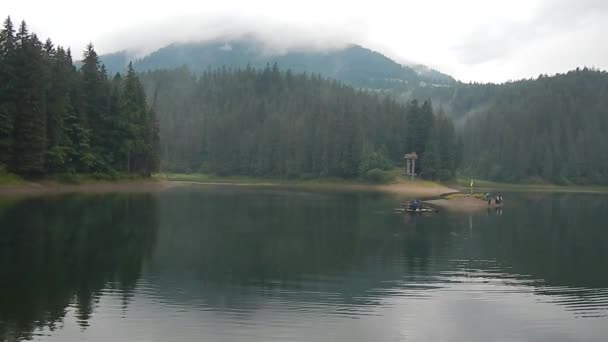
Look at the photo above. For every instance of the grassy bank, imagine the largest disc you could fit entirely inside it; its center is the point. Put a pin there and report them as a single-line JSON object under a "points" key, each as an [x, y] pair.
{"points": [[81, 179], [7, 179], [479, 185], [13, 185]]}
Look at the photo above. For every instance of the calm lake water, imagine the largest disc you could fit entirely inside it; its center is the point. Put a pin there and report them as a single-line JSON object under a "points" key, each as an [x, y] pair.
{"points": [[235, 264]]}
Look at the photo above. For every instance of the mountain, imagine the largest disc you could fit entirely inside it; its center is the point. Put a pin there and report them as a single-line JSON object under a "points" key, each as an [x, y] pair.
{"points": [[549, 129], [353, 65]]}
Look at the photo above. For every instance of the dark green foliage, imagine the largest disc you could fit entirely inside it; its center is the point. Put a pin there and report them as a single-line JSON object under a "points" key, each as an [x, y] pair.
{"points": [[420, 123], [7, 91], [442, 153], [54, 118], [279, 124], [6, 135], [139, 127], [374, 160], [30, 121], [377, 176], [549, 129]]}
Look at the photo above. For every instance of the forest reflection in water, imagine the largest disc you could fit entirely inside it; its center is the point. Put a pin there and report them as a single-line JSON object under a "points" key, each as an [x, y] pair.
{"points": [[267, 264]]}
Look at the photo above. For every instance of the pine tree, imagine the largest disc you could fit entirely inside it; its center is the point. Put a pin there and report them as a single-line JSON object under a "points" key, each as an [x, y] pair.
{"points": [[430, 163], [7, 92], [6, 136], [139, 125], [78, 148], [30, 121], [94, 105], [61, 75], [153, 152]]}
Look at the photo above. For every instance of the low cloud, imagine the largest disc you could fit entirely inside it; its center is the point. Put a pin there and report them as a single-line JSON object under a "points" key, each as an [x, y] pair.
{"points": [[476, 40], [274, 37]]}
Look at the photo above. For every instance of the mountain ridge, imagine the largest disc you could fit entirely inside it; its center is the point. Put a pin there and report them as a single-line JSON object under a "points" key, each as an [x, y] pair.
{"points": [[353, 64]]}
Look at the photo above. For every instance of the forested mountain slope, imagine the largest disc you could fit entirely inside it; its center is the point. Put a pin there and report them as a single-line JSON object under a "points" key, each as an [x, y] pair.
{"points": [[552, 128], [276, 123], [353, 65], [272, 121]]}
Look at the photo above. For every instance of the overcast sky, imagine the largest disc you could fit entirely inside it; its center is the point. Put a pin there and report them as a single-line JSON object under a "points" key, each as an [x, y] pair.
{"points": [[478, 40]]}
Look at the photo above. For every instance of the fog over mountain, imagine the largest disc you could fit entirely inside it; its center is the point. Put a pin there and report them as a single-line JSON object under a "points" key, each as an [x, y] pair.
{"points": [[353, 64], [472, 40]]}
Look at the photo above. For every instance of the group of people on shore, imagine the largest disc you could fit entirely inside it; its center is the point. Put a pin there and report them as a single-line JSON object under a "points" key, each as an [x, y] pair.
{"points": [[496, 197]]}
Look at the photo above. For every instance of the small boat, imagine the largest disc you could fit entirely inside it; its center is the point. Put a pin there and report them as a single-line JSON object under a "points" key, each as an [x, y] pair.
{"points": [[416, 211], [421, 210], [419, 207]]}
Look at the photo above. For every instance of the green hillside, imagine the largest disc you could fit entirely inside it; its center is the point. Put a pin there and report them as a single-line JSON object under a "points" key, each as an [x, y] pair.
{"points": [[552, 129], [353, 65]]}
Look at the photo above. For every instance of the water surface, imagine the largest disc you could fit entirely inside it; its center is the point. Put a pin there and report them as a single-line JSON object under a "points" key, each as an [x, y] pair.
{"points": [[237, 264]]}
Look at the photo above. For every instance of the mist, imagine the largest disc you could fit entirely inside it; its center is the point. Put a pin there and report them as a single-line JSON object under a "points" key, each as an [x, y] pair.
{"points": [[472, 40], [274, 37]]}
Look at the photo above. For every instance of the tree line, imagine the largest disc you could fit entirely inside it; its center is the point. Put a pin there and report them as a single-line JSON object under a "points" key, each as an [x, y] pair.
{"points": [[55, 118], [275, 123], [551, 129]]}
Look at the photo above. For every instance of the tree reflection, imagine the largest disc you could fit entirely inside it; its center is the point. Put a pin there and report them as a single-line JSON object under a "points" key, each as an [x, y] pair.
{"points": [[63, 251]]}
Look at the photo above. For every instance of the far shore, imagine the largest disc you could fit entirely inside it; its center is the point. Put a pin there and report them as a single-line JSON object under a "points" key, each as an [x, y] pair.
{"points": [[401, 187], [489, 186], [53, 187]]}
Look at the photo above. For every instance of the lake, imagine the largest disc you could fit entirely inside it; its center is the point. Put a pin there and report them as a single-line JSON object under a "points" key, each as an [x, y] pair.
{"points": [[246, 264]]}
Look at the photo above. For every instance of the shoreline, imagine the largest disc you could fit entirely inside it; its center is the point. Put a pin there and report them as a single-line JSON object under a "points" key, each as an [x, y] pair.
{"points": [[465, 204], [57, 188], [424, 190], [419, 188], [401, 186], [395, 188], [484, 186]]}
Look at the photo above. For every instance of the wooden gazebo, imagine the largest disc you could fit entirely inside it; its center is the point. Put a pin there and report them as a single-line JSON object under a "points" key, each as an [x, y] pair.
{"points": [[410, 164]]}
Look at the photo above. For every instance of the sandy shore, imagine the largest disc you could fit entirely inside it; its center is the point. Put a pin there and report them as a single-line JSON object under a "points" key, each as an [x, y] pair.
{"points": [[415, 189], [461, 204]]}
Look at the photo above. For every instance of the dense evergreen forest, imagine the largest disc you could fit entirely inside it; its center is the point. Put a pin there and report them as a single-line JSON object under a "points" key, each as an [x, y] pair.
{"points": [[57, 119], [268, 122], [549, 129], [271, 122]]}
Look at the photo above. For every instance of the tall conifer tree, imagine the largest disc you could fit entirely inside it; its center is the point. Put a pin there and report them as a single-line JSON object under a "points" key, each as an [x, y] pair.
{"points": [[30, 121], [7, 92]]}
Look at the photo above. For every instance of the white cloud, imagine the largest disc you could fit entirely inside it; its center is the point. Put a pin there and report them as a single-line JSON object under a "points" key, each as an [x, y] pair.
{"points": [[477, 40]]}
